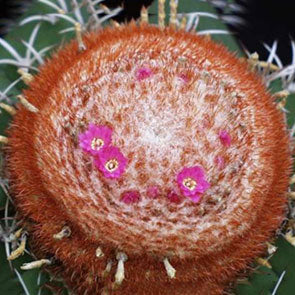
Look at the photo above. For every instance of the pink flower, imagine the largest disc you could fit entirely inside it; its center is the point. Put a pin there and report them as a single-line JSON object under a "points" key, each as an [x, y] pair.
{"points": [[183, 77], [95, 138], [219, 161], [130, 197], [225, 138], [143, 73], [152, 191], [173, 197], [111, 162], [192, 182], [196, 198]]}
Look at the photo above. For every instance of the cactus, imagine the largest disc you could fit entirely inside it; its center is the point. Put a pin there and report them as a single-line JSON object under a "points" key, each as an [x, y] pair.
{"points": [[145, 159]]}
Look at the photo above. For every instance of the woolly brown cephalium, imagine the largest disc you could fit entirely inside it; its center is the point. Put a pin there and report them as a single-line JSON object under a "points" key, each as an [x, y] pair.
{"points": [[164, 118]]}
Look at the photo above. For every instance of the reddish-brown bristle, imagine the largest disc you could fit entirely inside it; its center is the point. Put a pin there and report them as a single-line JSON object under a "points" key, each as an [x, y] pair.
{"points": [[166, 95]]}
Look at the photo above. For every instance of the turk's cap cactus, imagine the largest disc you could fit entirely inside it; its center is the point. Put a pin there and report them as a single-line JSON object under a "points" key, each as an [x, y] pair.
{"points": [[158, 151]]}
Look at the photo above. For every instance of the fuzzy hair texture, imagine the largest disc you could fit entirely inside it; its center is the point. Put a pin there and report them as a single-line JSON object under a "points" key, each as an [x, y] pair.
{"points": [[161, 124]]}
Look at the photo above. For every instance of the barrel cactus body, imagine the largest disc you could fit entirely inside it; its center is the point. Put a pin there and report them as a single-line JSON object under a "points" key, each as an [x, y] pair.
{"points": [[204, 152], [146, 159]]}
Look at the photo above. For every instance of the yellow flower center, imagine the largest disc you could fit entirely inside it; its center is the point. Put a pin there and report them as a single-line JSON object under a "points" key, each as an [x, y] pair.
{"points": [[111, 165], [97, 143], [189, 183]]}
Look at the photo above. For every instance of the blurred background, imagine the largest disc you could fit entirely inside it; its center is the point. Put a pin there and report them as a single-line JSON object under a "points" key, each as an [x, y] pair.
{"points": [[253, 21]]}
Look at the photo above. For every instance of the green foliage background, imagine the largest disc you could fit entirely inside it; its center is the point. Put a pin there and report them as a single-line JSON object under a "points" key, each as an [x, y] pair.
{"points": [[261, 282]]}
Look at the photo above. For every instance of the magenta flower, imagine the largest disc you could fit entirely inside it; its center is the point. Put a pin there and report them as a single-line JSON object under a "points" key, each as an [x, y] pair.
{"points": [[130, 197], [153, 191], [143, 73], [173, 197], [184, 78], [192, 182], [196, 198], [111, 162], [225, 138], [95, 138], [219, 161]]}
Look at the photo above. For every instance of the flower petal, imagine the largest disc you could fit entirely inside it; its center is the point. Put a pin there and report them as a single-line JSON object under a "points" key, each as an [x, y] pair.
{"points": [[191, 181], [130, 197], [111, 162], [95, 138], [225, 138]]}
